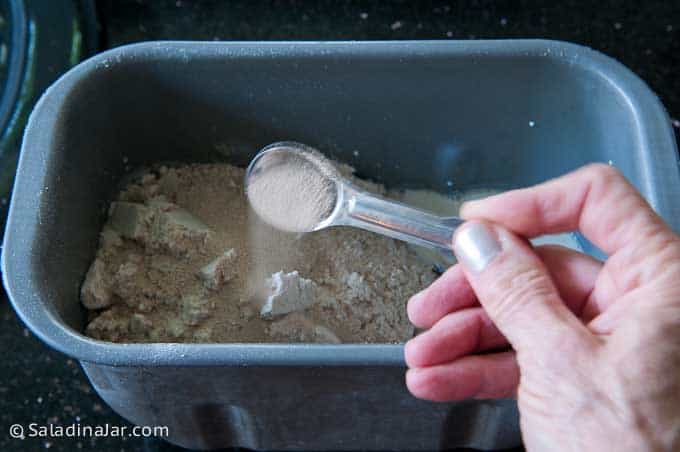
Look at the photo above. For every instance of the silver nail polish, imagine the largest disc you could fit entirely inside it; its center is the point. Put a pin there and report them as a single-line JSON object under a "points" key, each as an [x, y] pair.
{"points": [[475, 246]]}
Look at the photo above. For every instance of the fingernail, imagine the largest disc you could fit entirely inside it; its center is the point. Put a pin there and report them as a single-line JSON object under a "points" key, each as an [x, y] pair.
{"points": [[476, 246], [462, 210], [416, 297]]}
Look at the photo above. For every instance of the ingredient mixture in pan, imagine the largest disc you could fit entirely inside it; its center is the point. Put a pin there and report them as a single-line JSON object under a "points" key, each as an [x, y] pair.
{"points": [[183, 259]]}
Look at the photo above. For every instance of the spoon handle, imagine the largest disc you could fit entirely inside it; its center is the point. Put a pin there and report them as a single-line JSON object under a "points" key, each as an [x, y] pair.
{"points": [[396, 220]]}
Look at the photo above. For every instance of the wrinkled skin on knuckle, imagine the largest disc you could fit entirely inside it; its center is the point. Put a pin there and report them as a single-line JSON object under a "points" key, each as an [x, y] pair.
{"points": [[643, 363], [569, 400], [666, 288], [646, 345], [657, 263], [662, 257], [549, 207], [605, 185], [604, 174], [567, 359], [518, 290], [569, 351]]}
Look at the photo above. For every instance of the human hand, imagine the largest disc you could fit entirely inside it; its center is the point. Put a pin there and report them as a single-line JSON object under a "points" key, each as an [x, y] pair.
{"points": [[595, 358]]}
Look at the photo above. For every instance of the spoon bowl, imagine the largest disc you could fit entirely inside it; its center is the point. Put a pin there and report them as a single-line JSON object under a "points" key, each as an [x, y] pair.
{"points": [[293, 187]]}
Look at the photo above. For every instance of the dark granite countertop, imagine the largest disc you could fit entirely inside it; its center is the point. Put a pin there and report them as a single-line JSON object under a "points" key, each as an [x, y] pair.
{"points": [[38, 384]]}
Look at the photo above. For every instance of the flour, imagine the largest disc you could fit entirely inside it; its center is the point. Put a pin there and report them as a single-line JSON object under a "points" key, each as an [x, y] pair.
{"points": [[184, 259], [290, 192]]}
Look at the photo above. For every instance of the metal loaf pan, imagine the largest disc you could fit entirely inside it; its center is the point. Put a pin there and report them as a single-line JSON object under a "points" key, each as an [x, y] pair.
{"points": [[409, 114]]}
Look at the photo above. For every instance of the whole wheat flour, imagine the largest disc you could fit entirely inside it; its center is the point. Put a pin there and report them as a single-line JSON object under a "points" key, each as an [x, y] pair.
{"points": [[183, 259]]}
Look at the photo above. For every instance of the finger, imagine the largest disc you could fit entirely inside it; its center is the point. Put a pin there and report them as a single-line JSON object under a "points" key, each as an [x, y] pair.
{"points": [[457, 334], [596, 200], [573, 273], [446, 294], [470, 330], [514, 287], [607, 321], [629, 309], [481, 377]]}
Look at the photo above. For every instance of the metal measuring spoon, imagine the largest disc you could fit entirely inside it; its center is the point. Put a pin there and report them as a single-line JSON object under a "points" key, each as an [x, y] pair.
{"points": [[351, 206]]}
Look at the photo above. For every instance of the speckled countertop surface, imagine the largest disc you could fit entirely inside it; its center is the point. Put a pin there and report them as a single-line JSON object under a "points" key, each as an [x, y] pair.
{"points": [[40, 385]]}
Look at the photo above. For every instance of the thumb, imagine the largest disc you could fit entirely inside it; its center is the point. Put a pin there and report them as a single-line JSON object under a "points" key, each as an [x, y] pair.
{"points": [[514, 287]]}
